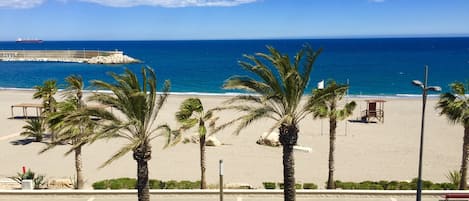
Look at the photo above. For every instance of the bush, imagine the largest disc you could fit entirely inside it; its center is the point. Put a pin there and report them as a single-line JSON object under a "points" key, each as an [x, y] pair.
{"points": [[297, 186], [156, 184], [403, 185], [185, 184], [100, 185], [171, 184], [269, 185], [310, 186]]}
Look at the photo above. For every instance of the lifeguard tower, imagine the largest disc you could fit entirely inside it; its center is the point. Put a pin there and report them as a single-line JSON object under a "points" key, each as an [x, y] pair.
{"points": [[374, 109]]}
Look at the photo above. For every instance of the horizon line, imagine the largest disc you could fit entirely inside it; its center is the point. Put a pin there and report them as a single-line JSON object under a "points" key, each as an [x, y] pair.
{"points": [[278, 38]]}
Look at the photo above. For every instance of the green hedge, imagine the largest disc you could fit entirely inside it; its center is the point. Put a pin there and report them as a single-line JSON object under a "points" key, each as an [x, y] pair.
{"points": [[131, 183], [394, 185], [310, 186], [269, 185]]}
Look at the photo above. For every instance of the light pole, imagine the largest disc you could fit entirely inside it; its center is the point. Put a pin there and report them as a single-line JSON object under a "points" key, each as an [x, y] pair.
{"points": [[425, 88]]}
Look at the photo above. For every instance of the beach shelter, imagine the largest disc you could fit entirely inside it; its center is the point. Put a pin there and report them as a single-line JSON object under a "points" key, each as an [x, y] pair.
{"points": [[374, 110]]}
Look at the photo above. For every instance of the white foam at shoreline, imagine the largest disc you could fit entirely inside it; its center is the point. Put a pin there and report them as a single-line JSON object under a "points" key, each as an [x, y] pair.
{"points": [[397, 96]]}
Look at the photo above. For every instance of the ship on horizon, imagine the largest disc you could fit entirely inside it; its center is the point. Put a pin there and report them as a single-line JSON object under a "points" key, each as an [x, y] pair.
{"points": [[20, 40]]}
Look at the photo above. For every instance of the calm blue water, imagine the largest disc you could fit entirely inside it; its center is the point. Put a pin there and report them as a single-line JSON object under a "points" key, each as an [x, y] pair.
{"points": [[372, 66]]}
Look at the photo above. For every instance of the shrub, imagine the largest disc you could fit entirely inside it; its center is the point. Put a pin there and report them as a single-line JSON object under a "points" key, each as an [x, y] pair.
{"points": [[38, 180], [115, 184], [310, 186], [156, 184], [100, 184], [185, 184], [171, 184], [297, 186], [280, 185], [269, 185], [393, 185], [403, 185]]}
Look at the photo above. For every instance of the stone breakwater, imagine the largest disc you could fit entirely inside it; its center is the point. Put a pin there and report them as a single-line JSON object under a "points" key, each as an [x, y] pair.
{"points": [[75, 56]]}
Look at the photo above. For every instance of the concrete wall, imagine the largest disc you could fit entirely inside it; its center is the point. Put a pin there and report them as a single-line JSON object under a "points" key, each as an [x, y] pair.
{"points": [[54, 54]]}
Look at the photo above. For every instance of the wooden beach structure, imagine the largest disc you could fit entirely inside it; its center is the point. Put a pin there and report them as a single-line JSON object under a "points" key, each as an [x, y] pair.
{"points": [[374, 110], [25, 106], [39, 108]]}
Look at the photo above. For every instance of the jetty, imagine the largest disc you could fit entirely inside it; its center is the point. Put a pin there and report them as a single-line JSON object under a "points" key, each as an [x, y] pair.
{"points": [[73, 56]]}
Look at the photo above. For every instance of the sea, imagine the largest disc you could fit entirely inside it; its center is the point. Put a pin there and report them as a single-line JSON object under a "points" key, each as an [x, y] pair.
{"points": [[372, 67]]}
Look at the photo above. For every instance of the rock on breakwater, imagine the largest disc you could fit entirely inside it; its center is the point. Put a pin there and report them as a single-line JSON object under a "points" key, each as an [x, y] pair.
{"points": [[76, 56]]}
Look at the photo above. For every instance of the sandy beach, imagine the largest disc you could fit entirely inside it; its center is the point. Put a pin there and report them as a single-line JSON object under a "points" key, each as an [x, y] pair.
{"points": [[364, 151]]}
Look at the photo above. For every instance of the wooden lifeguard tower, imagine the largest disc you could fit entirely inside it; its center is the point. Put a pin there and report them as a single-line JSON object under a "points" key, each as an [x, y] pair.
{"points": [[374, 109]]}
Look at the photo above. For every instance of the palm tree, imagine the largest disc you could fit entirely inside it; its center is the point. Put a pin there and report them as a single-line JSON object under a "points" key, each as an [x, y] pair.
{"points": [[190, 114], [73, 124], [324, 105], [280, 86], [455, 106], [34, 128], [140, 105], [46, 92]]}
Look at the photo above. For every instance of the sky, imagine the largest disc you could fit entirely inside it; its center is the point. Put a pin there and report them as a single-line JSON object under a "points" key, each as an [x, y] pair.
{"points": [[230, 19]]}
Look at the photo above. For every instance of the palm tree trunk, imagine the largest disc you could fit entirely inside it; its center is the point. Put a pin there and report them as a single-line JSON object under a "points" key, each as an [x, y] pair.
{"points": [[332, 132], [79, 168], [142, 154], [465, 154], [203, 183], [288, 138]]}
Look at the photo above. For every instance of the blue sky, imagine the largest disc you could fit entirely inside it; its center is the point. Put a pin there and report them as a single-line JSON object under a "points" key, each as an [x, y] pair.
{"points": [[229, 19]]}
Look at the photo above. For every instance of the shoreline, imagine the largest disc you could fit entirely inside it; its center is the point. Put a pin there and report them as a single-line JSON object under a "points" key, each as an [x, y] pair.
{"points": [[231, 94]]}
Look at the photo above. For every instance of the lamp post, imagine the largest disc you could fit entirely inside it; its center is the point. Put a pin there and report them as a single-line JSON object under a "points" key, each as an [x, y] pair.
{"points": [[425, 88]]}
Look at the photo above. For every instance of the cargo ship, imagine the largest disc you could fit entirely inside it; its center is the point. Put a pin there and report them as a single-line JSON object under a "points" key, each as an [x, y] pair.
{"points": [[20, 40]]}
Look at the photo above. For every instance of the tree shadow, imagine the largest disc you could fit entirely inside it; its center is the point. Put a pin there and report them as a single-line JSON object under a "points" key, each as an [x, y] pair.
{"points": [[29, 140], [362, 121]]}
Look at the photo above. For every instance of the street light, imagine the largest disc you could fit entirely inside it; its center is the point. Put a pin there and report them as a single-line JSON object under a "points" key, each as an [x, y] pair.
{"points": [[425, 90]]}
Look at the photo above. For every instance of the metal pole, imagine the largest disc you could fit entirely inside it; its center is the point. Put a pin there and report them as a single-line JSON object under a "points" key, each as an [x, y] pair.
{"points": [[221, 179], [346, 101], [424, 100]]}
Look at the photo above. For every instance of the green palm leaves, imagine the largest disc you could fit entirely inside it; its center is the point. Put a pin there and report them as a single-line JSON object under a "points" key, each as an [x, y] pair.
{"points": [[34, 128], [191, 113], [280, 85], [46, 92], [455, 106], [324, 102], [139, 104]]}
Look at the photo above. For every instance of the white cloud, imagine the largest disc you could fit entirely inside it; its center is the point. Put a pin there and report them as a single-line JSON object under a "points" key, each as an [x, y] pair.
{"points": [[131, 3], [170, 3], [20, 3]]}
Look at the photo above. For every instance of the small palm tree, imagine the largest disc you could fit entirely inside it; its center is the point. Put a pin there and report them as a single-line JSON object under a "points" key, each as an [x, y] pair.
{"points": [[34, 128], [46, 92], [140, 105], [280, 86], [455, 106], [73, 124], [324, 105], [191, 113]]}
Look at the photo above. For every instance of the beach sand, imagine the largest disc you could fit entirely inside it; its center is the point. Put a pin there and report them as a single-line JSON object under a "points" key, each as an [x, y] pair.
{"points": [[364, 151]]}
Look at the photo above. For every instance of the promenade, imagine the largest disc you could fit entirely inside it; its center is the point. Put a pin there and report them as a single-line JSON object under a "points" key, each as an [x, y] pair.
{"points": [[213, 195]]}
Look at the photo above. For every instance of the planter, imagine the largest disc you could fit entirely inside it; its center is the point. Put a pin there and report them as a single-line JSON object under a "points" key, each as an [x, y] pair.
{"points": [[27, 184]]}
